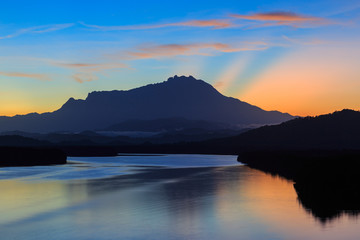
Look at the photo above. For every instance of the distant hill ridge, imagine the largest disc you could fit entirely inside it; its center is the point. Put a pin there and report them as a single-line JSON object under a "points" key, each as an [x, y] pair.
{"points": [[178, 97], [166, 124], [338, 130]]}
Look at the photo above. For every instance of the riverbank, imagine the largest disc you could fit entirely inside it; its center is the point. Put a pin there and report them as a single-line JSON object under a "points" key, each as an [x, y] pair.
{"points": [[31, 156]]}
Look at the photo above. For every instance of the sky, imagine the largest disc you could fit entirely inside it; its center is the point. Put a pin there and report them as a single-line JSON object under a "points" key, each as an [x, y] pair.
{"points": [[300, 57]]}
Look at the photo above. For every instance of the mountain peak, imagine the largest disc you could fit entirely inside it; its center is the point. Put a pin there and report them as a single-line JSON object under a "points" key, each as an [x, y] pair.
{"points": [[71, 102], [182, 78], [189, 82]]}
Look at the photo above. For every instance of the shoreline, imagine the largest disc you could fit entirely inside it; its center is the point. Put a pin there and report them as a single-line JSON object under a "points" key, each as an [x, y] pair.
{"points": [[31, 156]]}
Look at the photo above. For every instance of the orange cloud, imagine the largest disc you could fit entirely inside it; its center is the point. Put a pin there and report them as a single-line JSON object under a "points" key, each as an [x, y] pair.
{"points": [[170, 50], [277, 16], [213, 23], [283, 18], [42, 77]]}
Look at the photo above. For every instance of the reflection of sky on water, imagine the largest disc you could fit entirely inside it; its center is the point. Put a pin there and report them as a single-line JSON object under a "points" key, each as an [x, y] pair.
{"points": [[100, 167], [226, 202]]}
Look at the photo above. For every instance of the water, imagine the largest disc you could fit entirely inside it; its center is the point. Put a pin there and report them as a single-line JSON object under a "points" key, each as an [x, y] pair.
{"points": [[157, 197]]}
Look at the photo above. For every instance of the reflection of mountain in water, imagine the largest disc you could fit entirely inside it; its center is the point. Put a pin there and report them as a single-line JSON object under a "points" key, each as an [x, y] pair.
{"points": [[327, 203], [327, 182]]}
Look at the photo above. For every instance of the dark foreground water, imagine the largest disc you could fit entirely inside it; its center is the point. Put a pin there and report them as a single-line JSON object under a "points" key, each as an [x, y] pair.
{"points": [[157, 197]]}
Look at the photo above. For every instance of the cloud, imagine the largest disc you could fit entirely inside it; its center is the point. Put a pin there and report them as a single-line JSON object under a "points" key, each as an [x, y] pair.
{"points": [[86, 72], [38, 30], [211, 23], [206, 49], [42, 77], [274, 18], [282, 18], [277, 16], [77, 65], [84, 77], [91, 67]]}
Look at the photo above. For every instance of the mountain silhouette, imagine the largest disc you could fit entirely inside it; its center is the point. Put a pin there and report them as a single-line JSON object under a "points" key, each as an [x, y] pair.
{"points": [[178, 97]]}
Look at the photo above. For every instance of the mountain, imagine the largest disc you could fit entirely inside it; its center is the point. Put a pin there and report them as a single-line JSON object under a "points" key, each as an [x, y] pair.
{"points": [[338, 130], [178, 97]]}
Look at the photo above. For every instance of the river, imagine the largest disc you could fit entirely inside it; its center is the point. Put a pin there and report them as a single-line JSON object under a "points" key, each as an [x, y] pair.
{"points": [[157, 197]]}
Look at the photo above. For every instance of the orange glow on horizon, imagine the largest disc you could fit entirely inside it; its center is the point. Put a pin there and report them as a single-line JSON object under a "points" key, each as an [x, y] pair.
{"points": [[18, 104], [312, 82]]}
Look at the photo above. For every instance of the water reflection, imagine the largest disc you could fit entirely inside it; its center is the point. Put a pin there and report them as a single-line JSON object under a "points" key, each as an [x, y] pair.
{"points": [[329, 203], [232, 202]]}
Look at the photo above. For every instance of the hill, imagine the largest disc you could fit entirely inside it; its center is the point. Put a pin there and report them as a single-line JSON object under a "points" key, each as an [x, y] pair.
{"points": [[338, 130]]}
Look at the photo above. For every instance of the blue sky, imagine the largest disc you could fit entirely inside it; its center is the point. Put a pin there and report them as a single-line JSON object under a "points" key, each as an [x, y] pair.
{"points": [[300, 57]]}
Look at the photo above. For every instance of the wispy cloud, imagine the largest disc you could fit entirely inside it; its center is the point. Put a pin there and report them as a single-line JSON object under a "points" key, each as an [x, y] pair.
{"points": [[211, 23], [206, 49], [42, 77], [282, 18], [84, 77], [87, 72], [93, 67], [77, 65], [274, 18], [38, 30]]}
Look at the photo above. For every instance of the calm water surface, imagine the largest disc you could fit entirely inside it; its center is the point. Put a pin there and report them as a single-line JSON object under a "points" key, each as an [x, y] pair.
{"points": [[157, 197]]}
